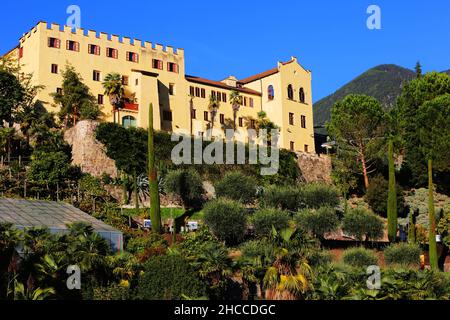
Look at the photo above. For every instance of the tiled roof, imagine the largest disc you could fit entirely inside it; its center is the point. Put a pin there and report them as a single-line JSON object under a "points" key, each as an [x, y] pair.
{"points": [[263, 74], [221, 85], [53, 215]]}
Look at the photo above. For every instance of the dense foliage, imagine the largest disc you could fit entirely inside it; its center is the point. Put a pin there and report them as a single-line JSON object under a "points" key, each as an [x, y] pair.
{"points": [[403, 254], [377, 194], [266, 219], [236, 186], [169, 277], [227, 220], [359, 257], [362, 224]]}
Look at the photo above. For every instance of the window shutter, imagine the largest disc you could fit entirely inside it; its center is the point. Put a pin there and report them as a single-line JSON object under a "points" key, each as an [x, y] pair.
{"points": [[67, 44], [160, 64], [48, 42], [77, 46], [116, 53], [97, 50]]}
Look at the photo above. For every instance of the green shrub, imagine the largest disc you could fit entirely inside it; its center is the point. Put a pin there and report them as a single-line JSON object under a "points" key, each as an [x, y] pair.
{"points": [[281, 197], [319, 195], [264, 219], [363, 224], [403, 254], [226, 219], [236, 186], [169, 278], [139, 244], [359, 257], [318, 222], [318, 257], [187, 184], [377, 195]]}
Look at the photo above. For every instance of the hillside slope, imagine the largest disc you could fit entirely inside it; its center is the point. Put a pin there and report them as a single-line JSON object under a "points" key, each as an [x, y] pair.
{"points": [[383, 82]]}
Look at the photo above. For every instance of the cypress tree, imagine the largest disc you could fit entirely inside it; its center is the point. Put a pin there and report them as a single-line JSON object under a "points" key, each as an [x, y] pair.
{"points": [[432, 249], [392, 196], [412, 228], [155, 214]]}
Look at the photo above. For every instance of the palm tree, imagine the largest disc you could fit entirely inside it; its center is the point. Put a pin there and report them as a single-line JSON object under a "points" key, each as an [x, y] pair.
{"points": [[288, 277], [115, 91], [236, 103], [213, 107]]}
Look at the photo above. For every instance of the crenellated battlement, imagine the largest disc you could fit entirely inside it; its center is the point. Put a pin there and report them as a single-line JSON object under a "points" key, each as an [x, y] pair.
{"points": [[113, 38]]}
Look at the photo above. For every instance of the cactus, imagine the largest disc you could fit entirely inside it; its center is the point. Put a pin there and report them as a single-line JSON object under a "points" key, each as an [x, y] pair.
{"points": [[392, 196], [155, 212], [432, 249]]}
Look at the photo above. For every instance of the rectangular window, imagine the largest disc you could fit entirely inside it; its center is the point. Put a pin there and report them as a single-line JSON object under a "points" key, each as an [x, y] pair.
{"points": [[172, 89], [172, 67], [54, 43], [245, 101], [136, 82], [72, 45], [112, 53], [192, 91], [306, 148], [222, 118], [291, 118], [194, 114], [20, 53], [167, 115], [100, 99], [303, 121], [219, 97], [197, 92], [224, 97], [157, 64], [292, 146], [213, 94], [54, 68], [241, 122], [59, 90], [205, 116], [96, 75], [94, 49], [253, 124], [125, 80], [132, 56], [203, 93], [250, 100]]}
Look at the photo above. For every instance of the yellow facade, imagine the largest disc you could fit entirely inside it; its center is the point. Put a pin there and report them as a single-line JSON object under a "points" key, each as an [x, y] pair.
{"points": [[183, 100]]}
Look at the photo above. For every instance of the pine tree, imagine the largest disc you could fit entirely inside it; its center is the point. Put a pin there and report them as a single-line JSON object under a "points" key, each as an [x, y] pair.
{"points": [[155, 214], [418, 69]]}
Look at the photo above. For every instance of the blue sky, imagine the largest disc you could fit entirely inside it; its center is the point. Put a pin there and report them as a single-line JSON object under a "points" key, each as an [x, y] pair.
{"points": [[247, 37]]}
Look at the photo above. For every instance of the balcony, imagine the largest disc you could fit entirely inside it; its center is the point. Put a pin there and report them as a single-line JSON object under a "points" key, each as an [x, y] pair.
{"points": [[131, 106]]}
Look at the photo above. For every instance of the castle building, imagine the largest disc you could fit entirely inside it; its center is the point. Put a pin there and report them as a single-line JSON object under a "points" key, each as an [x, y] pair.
{"points": [[155, 74]]}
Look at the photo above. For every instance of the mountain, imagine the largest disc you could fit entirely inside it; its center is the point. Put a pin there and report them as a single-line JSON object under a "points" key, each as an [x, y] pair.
{"points": [[383, 82], [447, 72]]}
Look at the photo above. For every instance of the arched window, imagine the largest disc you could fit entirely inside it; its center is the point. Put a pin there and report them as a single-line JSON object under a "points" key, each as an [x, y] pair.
{"points": [[290, 92], [302, 95], [270, 92], [129, 121]]}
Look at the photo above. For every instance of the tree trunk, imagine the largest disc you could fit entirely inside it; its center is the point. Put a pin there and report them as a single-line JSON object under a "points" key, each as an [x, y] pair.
{"points": [[364, 167], [432, 249]]}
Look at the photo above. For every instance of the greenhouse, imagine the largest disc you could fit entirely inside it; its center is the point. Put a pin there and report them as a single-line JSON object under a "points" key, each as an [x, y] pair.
{"points": [[55, 216]]}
